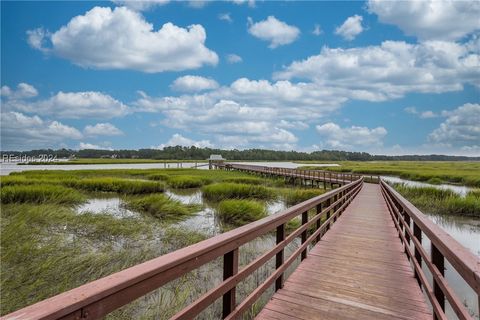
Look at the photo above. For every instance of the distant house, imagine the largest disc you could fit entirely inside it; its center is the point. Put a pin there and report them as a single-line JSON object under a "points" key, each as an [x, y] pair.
{"points": [[215, 159]]}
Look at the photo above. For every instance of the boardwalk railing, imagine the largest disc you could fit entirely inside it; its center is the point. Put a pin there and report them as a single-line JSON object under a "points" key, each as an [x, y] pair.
{"points": [[443, 247], [316, 175], [98, 298]]}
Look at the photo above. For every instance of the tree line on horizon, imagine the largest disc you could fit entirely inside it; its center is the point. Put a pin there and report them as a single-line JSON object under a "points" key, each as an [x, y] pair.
{"points": [[194, 153]]}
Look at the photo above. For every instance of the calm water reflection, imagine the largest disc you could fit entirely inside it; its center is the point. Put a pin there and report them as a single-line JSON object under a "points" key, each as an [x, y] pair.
{"points": [[7, 168], [467, 232], [461, 190], [463, 229], [112, 206]]}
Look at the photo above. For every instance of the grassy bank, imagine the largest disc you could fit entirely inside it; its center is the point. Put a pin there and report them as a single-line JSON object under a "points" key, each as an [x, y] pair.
{"points": [[240, 212], [445, 202], [435, 172], [186, 182], [221, 191], [161, 207], [116, 185], [40, 193], [294, 196]]}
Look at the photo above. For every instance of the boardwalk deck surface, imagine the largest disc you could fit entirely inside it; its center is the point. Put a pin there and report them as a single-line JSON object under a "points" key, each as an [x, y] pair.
{"points": [[357, 271]]}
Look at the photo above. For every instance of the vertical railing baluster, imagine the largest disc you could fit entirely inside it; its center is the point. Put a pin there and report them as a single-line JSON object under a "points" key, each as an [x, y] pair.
{"points": [[406, 217], [417, 233], [439, 261], [327, 204], [335, 198], [319, 221], [400, 223], [230, 268], [340, 195], [279, 256], [304, 234]]}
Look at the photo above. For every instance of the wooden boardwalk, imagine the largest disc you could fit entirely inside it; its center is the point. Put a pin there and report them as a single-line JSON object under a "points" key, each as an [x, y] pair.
{"points": [[357, 271]]}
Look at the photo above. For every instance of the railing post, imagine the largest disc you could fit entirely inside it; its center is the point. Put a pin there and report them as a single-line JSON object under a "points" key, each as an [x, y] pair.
{"points": [[230, 268], [439, 261], [417, 233], [279, 256], [319, 222], [304, 234]]}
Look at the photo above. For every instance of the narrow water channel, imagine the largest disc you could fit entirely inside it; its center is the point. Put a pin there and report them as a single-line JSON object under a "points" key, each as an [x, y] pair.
{"points": [[458, 189]]}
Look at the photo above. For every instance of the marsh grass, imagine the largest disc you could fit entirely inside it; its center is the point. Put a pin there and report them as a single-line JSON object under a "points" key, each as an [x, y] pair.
{"points": [[438, 201], [474, 192], [157, 176], [48, 249], [240, 212], [221, 191], [40, 193], [150, 174], [116, 185], [254, 181], [21, 180], [161, 207], [186, 182], [295, 196]]}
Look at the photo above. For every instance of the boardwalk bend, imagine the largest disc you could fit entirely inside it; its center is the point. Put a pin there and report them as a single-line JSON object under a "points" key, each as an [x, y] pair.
{"points": [[361, 257]]}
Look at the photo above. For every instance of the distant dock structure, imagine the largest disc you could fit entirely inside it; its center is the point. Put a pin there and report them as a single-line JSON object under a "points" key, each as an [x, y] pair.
{"points": [[215, 160]]}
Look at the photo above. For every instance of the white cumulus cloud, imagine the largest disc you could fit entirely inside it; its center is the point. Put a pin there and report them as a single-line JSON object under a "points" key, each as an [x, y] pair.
{"points": [[351, 28], [86, 145], [102, 129], [422, 114], [179, 140], [23, 91], [460, 129], [140, 5], [250, 3], [72, 105], [76, 105], [234, 58], [225, 17], [23, 132], [193, 84], [277, 32], [121, 39], [317, 30], [430, 19], [351, 137], [392, 69]]}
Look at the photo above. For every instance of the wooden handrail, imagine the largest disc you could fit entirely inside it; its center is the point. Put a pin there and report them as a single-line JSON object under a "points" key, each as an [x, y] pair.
{"points": [[443, 246], [98, 298]]}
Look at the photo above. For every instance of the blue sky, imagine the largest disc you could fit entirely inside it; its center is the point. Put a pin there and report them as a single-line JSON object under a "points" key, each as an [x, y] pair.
{"points": [[376, 76]]}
